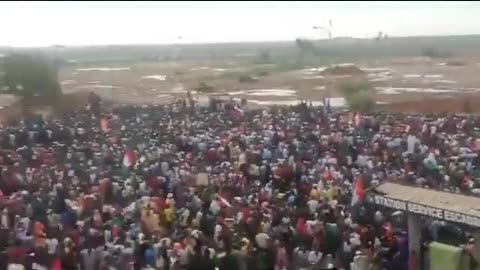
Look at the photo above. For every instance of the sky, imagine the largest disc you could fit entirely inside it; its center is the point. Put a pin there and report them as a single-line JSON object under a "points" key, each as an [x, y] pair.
{"points": [[31, 24]]}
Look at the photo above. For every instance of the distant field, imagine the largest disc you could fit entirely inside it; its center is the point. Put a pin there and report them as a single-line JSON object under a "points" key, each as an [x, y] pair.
{"points": [[396, 67], [399, 79]]}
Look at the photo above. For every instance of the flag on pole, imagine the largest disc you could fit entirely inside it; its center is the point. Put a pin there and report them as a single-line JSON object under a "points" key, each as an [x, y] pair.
{"points": [[238, 113], [358, 119], [407, 129], [104, 124], [223, 201], [129, 159], [358, 191]]}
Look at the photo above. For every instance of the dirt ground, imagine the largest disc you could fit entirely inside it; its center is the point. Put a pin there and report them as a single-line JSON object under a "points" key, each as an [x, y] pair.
{"points": [[402, 84]]}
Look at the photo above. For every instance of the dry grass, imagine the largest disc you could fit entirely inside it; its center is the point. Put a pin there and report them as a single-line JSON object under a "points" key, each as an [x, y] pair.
{"points": [[130, 86]]}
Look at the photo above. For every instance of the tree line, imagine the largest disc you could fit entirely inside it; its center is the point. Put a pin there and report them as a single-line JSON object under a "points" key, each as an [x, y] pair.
{"points": [[32, 76]]}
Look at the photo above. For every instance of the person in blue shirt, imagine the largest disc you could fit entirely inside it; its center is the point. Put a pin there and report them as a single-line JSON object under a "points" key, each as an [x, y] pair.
{"points": [[149, 257]]}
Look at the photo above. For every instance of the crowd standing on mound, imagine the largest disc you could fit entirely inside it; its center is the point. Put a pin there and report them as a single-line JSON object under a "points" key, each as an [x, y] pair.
{"points": [[183, 186]]}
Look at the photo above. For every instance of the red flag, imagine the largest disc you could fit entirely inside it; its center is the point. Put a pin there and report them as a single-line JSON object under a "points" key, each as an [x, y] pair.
{"points": [[129, 159], [223, 201], [104, 124], [359, 191]]}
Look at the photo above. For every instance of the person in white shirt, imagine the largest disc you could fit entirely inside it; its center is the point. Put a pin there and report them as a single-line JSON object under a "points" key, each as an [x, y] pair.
{"points": [[4, 223], [411, 142], [313, 206], [52, 245], [314, 258], [14, 266], [262, 240]]}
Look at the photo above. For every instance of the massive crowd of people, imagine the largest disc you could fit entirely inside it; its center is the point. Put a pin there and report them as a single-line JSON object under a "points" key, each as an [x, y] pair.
{"points": [[183, 186]]}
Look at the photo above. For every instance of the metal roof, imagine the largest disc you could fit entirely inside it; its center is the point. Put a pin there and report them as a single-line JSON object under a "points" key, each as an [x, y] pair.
{"points": [[463, 204]]}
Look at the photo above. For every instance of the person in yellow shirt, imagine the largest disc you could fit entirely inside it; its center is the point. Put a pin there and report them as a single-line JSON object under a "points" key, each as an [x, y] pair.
{"points": [[328, 193], [150, 219], [170, 214]]}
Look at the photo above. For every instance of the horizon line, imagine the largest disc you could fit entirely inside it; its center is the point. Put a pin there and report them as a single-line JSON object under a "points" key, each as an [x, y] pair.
{"points": [[229, 42]]}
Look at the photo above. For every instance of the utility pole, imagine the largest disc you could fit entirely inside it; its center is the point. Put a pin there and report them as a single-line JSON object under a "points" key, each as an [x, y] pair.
{"points": [[328, 28], [177, 46]]}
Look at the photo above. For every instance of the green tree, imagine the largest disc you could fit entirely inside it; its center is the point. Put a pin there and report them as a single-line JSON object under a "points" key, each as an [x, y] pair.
{"points": [[204, 88], [265, 57], [359, 96], [33, 76], [305, 47], [431, 52]]}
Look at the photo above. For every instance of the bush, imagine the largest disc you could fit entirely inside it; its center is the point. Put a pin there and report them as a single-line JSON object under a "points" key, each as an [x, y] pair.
{"points": [[264, 57], [431, 52], [284, 66], [359, 97], [263, 73], [203, 88], [179, 72], [244, 78], [351, 88], [361, 102]]}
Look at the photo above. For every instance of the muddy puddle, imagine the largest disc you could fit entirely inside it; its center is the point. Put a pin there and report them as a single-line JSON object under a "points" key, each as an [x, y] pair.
{"points": [[97, 86], [313, 77], [155, 77], [66, 82], [381, 76], [401, 90], [312, 71], [412, 76], [446, 81], [265, 92], [381, 79], [426, 76], [103, 69], [376, 69], [345, 64], [200, 68], [433, 76], [334, 102]]}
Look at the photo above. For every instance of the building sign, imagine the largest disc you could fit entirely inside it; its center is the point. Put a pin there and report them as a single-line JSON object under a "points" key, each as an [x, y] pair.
{"points": [[428, 211]]}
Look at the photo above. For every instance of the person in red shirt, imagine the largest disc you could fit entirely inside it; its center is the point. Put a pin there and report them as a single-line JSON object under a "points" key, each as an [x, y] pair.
{"points": [[212, 155], [154, 183], [17, 253], [39, 234], [302, 227]]}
